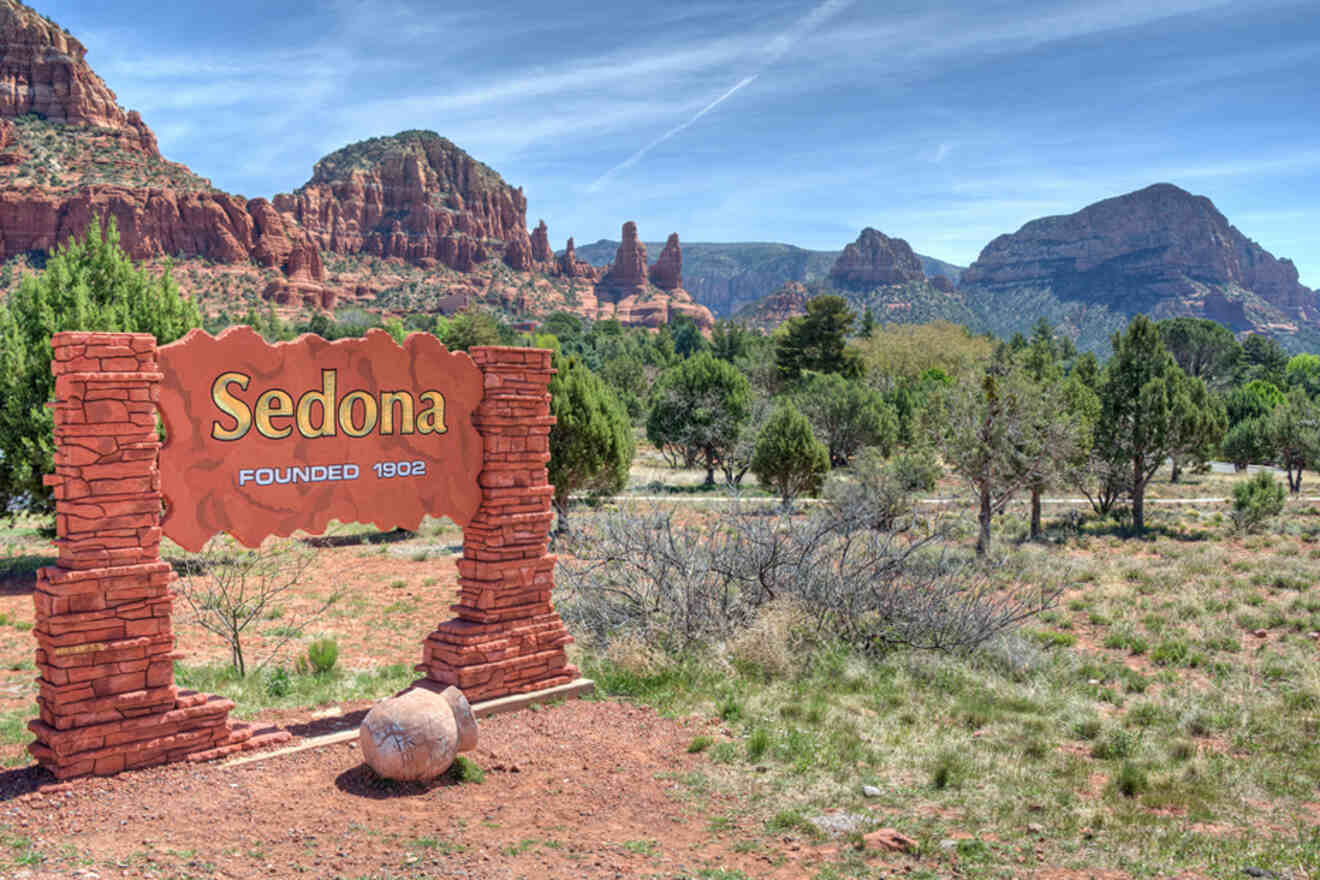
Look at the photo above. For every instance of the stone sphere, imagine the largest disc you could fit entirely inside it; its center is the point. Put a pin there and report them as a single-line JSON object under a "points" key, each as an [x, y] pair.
{"points": [[463, 717], [413, 736]]}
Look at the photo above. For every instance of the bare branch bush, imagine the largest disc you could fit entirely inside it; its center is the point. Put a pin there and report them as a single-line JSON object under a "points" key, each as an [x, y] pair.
{"points": [[880, 589], [228, 588]]}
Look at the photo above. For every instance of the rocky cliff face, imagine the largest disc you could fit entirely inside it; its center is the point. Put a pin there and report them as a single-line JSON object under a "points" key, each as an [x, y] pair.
{"points": [[413, 195], [43, 71], [1160, 250], [71, 152], [875, 260]]}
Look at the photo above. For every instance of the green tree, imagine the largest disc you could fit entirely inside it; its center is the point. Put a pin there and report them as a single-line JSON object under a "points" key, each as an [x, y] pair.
{"points": [[1263, 358], [1204, 426], [729, 341], [1205, 349], [687, 336], [846, 415], [591, 443], [1247, 442], [1005, 434], [1148, 409], [1304, 372], [471, 327], [789, 459], [868, 324], [696, 410], [818, 341], [87, 285], [1294, 436]]}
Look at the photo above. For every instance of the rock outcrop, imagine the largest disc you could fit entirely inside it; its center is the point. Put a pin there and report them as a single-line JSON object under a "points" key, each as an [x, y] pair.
{"points": [[627, 275], [541, 253], [627, 292], [875, 260], [667, 273], [1158, 249], [43, 71], [415, 196], [571, 267], [154, 223], [789, 301]]}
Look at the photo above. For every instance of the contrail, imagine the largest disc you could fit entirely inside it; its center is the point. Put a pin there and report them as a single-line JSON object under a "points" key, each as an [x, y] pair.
{"points": [[775, 50]]}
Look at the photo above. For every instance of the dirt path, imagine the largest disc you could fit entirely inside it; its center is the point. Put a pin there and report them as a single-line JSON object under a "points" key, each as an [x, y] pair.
{"points": [[581, 789]]}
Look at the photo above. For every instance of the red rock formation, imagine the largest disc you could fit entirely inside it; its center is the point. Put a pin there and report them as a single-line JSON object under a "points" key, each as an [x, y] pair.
{"points": [[518, 251], [627, 275], [1137, 250], [42, 71], [875, 260], [541, 252], [414, 195], [571, 267], [788, 301], [942, 282], [667, 273]]}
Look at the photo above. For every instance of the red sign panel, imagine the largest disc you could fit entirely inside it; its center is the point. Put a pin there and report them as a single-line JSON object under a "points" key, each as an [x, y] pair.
{"points": [[266, 439]]}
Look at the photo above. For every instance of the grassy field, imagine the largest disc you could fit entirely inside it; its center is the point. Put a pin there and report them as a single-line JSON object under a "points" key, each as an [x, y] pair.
{"points": [[1160, 720]]}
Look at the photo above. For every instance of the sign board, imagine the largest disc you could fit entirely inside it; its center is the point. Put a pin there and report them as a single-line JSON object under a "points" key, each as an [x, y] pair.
{"points": [[268, 439]]}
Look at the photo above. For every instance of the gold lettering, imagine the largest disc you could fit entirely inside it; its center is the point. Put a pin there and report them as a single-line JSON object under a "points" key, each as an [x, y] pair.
{"points": [[405, 402], [325, 397], [274, 404], [368, 413], [230, 406], [432, 419]]}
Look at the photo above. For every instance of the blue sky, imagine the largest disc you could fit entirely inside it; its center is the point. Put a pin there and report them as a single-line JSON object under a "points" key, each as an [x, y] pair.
{"points": [[942, 123]]}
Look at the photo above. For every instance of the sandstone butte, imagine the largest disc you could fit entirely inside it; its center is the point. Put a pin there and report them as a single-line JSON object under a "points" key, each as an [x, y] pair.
{"points": [[1155, 249], [413, 198]]}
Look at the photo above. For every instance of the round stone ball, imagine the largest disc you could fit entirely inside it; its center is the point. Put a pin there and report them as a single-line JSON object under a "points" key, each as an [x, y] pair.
{"points": [[413, 736]]}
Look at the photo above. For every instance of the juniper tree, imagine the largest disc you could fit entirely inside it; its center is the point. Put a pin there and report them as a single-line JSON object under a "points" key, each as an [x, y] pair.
{"points": [[88, 284]]}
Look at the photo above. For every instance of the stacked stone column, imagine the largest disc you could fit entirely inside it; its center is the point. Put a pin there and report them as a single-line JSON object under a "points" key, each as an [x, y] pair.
{"points": [[506, 638], [105, 643]]}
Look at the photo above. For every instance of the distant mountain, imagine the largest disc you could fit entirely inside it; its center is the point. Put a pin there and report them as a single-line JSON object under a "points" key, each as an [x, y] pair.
{"points": [[727, 278], [1160, 251]]}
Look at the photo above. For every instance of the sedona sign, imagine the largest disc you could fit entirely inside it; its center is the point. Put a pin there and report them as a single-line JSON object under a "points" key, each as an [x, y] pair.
{"points": [[269, 439]]}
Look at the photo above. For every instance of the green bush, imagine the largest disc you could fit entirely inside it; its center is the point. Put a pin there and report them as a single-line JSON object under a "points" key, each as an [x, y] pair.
{"points": [[1257, 500], [322, 654], [789, 459], [86, 285]]}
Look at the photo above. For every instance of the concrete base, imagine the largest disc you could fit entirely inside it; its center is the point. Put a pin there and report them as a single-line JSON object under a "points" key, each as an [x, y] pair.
{"points": [[496, 706]]}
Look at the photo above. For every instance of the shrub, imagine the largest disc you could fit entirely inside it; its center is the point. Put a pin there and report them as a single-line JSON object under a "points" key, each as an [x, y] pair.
{"points": [[1257, 500], [322, 654], [788, 457], [647, 577]]}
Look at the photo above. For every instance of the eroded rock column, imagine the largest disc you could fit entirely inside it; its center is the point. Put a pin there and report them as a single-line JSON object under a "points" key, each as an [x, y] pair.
{"points": [[105, 643], [507, 637]]}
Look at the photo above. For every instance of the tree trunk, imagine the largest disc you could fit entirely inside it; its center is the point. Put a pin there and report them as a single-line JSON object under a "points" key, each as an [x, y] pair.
{"points": [[1173, 478], [710, 467], [561, 510], [1035, 512], [983, 539], [1138, 495]]}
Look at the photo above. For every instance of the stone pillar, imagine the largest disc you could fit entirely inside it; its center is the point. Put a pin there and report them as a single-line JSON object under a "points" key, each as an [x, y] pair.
{"points": [[507, 638], [105, 643]]}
